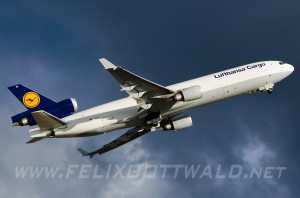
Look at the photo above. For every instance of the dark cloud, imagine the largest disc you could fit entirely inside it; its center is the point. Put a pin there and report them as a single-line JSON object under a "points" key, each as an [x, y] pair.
{"points": [[54, 46]]}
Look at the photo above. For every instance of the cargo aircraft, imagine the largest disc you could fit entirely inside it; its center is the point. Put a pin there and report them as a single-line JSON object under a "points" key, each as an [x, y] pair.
{"points": [[149, 106]]}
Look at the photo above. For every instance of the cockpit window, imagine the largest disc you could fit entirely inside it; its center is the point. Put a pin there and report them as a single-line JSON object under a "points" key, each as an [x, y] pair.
{"points": [[281, 63]]}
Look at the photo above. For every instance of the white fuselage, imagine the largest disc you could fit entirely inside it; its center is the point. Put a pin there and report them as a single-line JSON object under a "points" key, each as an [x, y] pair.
{"points": [[123, 113]]}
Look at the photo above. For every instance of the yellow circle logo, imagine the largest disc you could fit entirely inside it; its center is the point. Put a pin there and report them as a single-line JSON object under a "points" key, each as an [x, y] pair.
{"points": [[31, 99]]}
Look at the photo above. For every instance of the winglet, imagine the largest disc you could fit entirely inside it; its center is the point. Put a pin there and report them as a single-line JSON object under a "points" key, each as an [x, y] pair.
{"points": [[107, 64], [84, 152]]}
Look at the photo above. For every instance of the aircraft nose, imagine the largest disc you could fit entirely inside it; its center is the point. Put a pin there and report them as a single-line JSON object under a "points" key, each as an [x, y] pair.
{"points": [[289, 68]]}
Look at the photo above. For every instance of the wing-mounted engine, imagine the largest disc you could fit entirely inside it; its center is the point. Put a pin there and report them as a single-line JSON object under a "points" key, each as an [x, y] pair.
{"points": [[188, 94], [176, 124]]}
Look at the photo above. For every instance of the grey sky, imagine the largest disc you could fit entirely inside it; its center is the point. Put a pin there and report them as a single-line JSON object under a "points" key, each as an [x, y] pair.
{"points": [[54, 46]]}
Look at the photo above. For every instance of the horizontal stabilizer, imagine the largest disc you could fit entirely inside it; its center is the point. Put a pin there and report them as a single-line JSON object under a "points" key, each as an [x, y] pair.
{"points": [[46, 121]]}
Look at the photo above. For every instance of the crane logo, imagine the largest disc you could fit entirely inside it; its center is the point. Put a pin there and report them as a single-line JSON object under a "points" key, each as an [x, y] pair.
{"points": [[31, 99]]}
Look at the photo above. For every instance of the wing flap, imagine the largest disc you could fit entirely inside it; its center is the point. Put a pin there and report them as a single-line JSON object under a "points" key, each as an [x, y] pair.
{"points": [[46, 121]]}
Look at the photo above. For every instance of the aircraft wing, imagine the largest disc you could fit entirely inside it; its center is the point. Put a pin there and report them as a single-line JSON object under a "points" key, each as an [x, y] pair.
{"points": [[123, 139], [148, 94]]}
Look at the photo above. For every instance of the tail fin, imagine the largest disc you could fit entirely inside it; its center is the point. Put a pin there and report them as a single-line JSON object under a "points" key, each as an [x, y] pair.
{"points": [[29, 98]]}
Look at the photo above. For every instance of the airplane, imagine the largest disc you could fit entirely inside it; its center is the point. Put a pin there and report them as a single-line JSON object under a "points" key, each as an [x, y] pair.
{"points": [[149, 106]]}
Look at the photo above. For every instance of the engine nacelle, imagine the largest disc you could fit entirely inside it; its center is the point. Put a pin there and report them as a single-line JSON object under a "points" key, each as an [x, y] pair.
{"points": [[177, 123], [23, 119], [23, 122], [67, 106], [188, 94]]}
